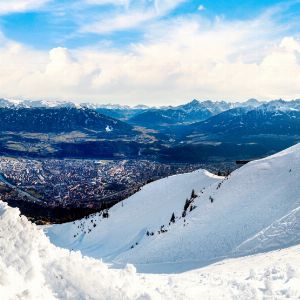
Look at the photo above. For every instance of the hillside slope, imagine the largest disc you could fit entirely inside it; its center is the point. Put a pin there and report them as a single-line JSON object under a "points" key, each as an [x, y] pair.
{"points": [[57, 120], [231, 217], [248, 121], [129, 221]]}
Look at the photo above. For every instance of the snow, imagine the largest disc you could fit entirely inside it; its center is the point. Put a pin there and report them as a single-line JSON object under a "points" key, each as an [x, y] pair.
{"points": [[32, 268], [129, 221], [108, 128], [282, 233], [254, 210]]}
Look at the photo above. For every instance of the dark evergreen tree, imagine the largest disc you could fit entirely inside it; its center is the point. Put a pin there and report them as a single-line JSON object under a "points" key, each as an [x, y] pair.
{"points": [[105, 214], [186, 205], [193, 195], [172, 220], [192, 207]]}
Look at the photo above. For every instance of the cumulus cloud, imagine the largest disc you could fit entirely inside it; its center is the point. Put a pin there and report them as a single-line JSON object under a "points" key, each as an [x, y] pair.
{"points": [[179, 60], [12, 6]]}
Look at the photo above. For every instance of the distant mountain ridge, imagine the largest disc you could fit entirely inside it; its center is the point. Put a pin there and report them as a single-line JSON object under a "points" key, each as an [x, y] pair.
{"points": [[270, 118], [64, 119], [4, 103], [194, 111], [67, 132], [197, 131], [209, 104]]}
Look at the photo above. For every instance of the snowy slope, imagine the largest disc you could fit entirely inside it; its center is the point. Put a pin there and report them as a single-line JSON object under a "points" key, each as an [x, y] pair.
{"points": [[130, 220], [32, 268], [273, 275], [258, 202]]}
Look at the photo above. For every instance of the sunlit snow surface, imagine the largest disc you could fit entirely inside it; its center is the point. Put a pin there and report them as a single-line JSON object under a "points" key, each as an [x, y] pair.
{"points": [[256, 209], [32, 268]]}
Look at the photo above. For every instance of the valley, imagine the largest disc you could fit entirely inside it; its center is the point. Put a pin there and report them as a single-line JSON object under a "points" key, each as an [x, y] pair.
{"points": [[63, 161]]}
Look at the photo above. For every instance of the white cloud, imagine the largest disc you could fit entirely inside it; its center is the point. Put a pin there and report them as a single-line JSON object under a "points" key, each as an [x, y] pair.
{"points": [[118, 22], [12, 6], [201, 7], [164, 6], [180, 60], [113, 2], [130, 17]]}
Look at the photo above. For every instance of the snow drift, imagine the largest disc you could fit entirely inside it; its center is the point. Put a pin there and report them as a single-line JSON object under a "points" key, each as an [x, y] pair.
{"points": [[32, 268], [255, 209]]}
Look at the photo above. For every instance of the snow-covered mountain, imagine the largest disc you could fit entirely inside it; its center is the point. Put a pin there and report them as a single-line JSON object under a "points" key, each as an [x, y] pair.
{"points": [[270, 118], [58, 120], [214, 107], [5, 103], [32, 268], [162, 117], [255, 209]]}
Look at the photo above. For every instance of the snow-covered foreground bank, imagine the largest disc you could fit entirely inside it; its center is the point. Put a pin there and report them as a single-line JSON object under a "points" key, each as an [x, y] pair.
{"points": [[32, 268], [255, 209]]}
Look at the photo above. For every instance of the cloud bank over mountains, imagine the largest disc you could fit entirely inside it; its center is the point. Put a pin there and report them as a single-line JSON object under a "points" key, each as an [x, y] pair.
{"points": [[177, 58]]}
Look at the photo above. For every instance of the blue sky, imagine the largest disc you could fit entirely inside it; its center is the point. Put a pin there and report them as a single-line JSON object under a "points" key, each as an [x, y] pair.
{"points": [[150, 51], [59, 23]]}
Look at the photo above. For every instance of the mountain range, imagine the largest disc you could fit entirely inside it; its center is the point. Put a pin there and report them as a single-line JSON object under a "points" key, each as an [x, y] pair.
{"points": [[198, 131], [186, 113], [67, 132], [56, 120], [251, 121]]}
